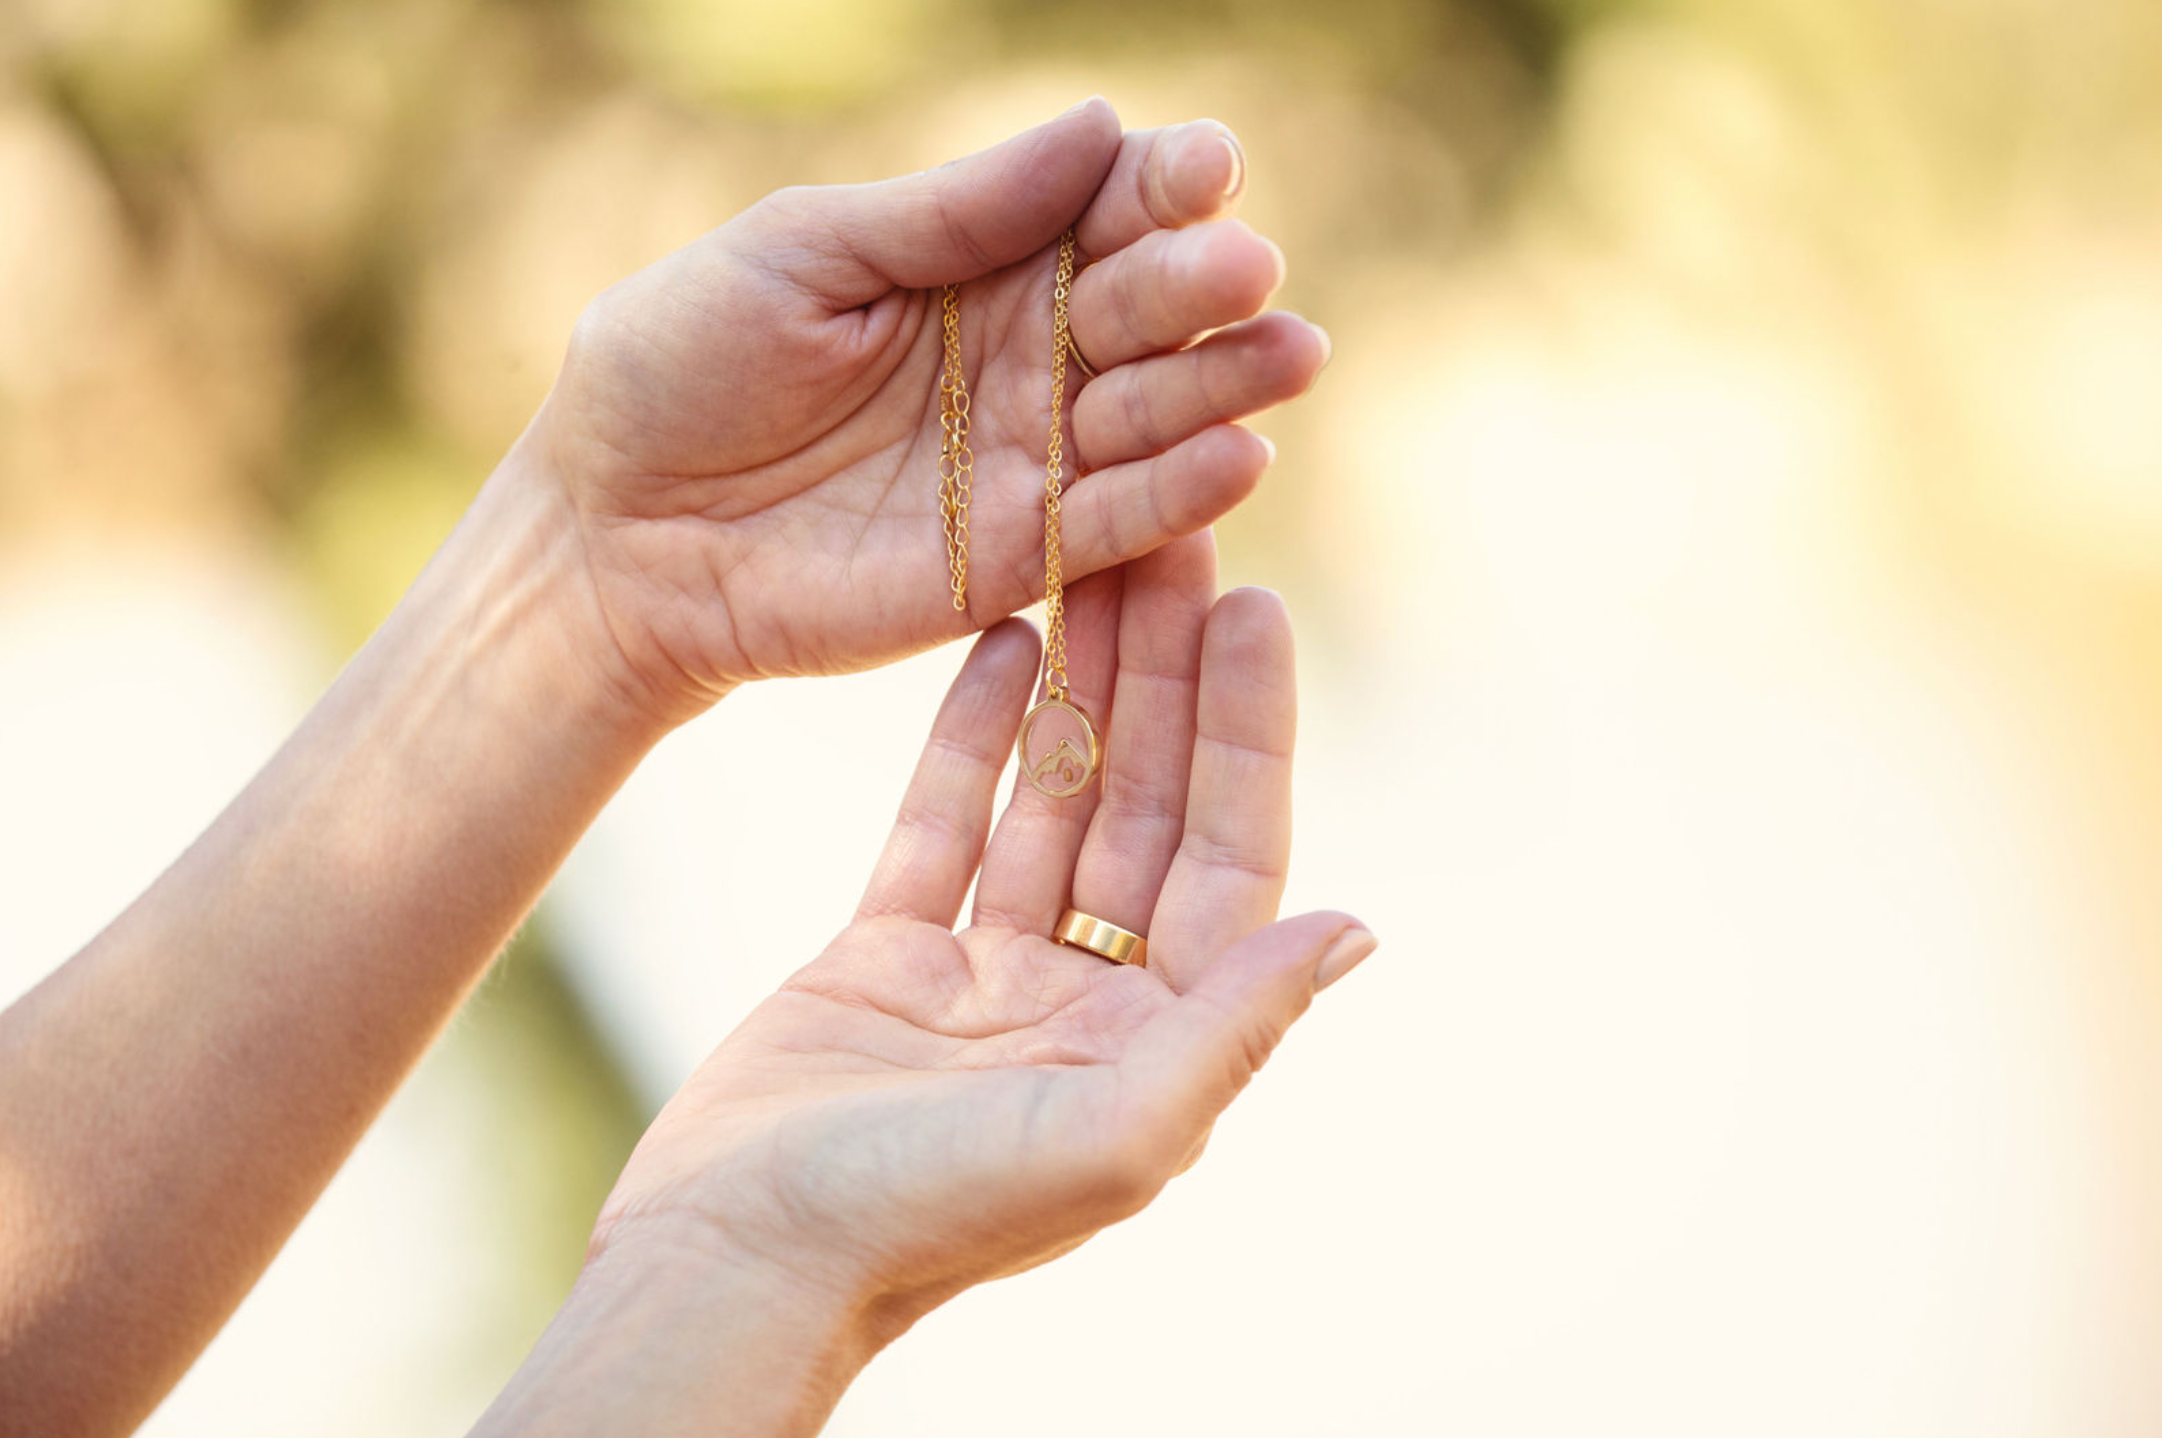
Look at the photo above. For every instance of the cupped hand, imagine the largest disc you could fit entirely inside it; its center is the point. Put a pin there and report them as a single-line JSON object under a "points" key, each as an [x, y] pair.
{"points": [[746, 432], [919, 1109]]}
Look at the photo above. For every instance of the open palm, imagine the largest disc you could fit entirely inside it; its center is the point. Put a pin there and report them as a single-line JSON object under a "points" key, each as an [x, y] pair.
{"points": [[919, 1109], [747, 430]]}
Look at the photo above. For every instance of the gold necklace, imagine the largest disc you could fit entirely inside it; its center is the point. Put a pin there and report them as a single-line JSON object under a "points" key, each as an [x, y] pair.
{"points": [[956, 464], [1063, 768]]}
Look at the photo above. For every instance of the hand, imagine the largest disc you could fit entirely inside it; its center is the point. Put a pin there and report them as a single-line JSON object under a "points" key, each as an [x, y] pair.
{"points": [[746, 432], [919, 1110]]}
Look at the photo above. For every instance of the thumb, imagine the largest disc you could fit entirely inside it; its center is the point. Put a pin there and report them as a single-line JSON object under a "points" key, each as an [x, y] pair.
{"points": [[963, 219], [1192, 1059]]}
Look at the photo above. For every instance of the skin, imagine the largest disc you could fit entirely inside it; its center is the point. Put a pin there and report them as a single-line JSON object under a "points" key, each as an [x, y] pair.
{"points": [[731, 478], [919, 1110]]}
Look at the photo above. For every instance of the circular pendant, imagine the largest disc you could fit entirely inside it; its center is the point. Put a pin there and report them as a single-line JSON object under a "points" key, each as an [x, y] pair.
{"points": [[1058, 766]]}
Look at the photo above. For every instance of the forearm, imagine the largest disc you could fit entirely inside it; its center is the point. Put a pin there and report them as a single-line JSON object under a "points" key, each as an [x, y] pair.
{"points": [[175, 1096]]}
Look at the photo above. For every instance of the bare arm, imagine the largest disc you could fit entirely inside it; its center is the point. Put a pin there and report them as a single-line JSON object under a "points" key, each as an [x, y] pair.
{"points": [[173, 1099]]}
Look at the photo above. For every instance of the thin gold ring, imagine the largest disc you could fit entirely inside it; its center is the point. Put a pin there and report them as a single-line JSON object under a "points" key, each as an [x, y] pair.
{"points": [[1101, 937], [1074, 349]]}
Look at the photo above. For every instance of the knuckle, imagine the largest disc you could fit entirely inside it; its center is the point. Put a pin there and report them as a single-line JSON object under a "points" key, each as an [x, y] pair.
{"points": [[1215, 400], [1140, 413], [779, 226], [1153, 517], [1140, 523], [787, 206], [1126, 308], [598, 326], [1155, 185]]}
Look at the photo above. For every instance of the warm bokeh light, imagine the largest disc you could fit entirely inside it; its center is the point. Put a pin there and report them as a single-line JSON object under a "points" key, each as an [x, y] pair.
{"points": [[1727, 552]]}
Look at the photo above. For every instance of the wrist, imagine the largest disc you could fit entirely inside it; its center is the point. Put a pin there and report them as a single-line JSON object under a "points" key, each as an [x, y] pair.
{"points": [[661, 1338], [519, 565]]}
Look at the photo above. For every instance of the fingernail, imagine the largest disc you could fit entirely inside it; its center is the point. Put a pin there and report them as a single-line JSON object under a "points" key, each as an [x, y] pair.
{"points": [[1328, 346], [1237, 180], [1283, 267], [1269, 445], [1080, 107], [1350, 948]]}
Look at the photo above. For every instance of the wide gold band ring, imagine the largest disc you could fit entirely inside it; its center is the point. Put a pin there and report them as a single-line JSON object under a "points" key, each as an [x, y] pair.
{"points": [[1086, 931]]}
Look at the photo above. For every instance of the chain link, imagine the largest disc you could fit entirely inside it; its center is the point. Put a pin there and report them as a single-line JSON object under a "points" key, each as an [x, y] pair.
{"points": [[956, 462], [1054, 586]]}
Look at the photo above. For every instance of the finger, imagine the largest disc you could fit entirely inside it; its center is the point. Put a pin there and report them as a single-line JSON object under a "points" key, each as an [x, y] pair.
{"points": [[1163, 179], [1191, 1059], [938, 837], [1145, 407], [1124, 511], [1228, 875], [1028, 869], [852, 243], [1169, 286], [1148, 751]]}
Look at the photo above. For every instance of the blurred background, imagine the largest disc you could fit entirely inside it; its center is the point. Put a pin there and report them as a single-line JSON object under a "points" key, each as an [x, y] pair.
{"points": [[1727, 552]]}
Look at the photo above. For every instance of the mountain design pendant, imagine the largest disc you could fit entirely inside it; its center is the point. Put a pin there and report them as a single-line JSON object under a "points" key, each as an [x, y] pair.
{"points": [[1058, 764]]}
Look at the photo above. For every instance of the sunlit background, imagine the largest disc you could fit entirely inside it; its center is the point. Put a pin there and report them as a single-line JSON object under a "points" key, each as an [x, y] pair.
{"points": [[1727, 552]]}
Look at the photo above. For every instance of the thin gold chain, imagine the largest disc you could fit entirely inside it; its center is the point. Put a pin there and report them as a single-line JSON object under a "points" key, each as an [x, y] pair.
{"points": [[1063, 770], [956, 463], [1054, 586]]}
